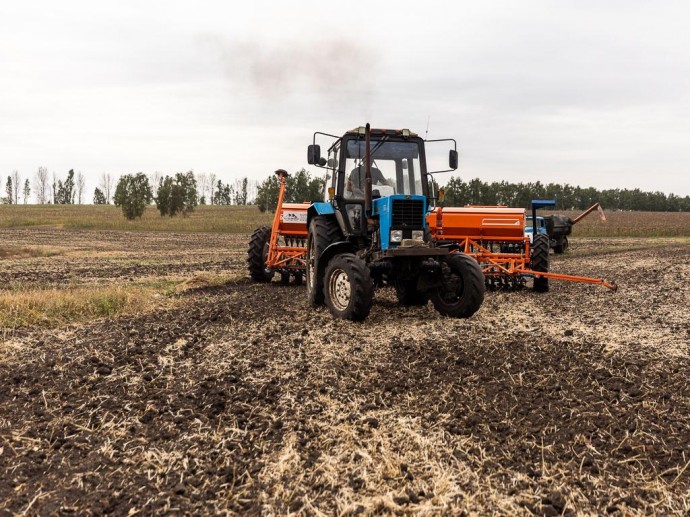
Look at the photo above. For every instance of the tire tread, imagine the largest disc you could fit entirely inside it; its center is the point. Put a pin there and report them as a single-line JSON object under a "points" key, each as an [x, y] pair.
{"points": [[255, 254]]}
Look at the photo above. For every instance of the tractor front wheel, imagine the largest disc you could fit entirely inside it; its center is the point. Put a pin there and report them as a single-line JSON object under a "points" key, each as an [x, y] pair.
{"points": [[323, 232], [540, 262], [461, 292], [348, 289], [257, 254]]}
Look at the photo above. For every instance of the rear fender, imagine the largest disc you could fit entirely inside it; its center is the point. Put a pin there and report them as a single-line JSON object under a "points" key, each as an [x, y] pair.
{"points": [[319, 209]]}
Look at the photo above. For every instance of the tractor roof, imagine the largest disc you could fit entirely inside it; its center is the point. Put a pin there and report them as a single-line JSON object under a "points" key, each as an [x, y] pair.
{"points": [[391, 132]]}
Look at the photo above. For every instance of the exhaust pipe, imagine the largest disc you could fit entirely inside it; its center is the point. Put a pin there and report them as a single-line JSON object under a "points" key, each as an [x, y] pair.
{"points": [[367, 170]]}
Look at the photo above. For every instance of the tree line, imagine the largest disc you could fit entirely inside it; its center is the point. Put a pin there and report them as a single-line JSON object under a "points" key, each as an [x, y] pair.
{"points": [[301, 186], [567, 197], [66, 192], [177, 194], [46, 188]]}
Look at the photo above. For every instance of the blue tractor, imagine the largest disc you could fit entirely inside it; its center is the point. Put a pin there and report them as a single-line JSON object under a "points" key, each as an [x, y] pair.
{"points": [[371, 229], [540, 242]]}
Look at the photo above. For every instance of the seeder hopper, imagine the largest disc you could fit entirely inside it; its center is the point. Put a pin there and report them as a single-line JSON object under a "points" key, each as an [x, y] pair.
{"points": [[495, 237]]}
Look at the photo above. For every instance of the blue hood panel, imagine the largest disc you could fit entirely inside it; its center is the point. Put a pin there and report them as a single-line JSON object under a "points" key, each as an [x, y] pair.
{"points": [[383, 208]]}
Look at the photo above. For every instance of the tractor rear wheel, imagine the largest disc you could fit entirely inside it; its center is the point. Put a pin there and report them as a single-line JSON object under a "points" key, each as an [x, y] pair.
{"points": [[323, 231], [348, 289], [461, 292], [540, 262], [257, 254], [407, 292]]}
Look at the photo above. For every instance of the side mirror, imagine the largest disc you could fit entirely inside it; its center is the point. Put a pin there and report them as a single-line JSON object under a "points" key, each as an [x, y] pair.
{"points": [[453, 159], [313, 154], [331, 163], [322, 161]]}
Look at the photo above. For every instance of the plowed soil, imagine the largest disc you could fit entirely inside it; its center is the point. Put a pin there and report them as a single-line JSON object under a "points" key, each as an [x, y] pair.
{"points": [[242, 399]]}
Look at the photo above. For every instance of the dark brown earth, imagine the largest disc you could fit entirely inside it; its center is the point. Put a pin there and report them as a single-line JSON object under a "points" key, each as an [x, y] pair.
{"points": [[242, 399]]}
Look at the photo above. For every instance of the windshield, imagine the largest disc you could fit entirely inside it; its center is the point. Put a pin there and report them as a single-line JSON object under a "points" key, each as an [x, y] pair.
{"points": [[395, 168], [540, 222]]}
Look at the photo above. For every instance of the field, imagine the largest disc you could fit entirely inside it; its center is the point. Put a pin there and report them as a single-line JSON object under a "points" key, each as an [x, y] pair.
{"points": [[226, 219], [142, 372], [243, 219]]}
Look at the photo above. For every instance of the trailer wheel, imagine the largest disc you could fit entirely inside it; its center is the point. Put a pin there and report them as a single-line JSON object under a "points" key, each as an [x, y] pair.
{"points": [[257, 254], [562, 246], [407, 292], [461, 292], [285, 278], [298, 278], [540, 262], [348, 289], [323, 231]]}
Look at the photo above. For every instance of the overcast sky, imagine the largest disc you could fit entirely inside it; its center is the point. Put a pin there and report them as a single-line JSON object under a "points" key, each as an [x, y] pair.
{"points": [[583, 92]]}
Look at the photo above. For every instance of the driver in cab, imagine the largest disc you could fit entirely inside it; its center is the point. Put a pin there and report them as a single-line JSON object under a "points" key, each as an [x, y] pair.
{"points": [[355, 183]]}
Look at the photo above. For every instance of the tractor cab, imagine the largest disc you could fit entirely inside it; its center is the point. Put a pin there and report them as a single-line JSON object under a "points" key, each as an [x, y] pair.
{"points": [[390, 204], [541, 227]]}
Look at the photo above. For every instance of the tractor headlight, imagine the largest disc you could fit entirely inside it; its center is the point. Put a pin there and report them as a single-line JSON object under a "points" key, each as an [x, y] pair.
{"points": [[417, 235], [396, 235]]}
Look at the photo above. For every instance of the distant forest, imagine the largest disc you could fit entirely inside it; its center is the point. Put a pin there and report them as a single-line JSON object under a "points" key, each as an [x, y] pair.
{"points": [[302, 186], [478, 192], [305, 186]]}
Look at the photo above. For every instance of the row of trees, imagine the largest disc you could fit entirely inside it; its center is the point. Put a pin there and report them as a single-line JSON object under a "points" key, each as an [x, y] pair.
{"points": [[71, 190], [179, 194], [299, 187], [12, 189], [174, 194], [302, 186], [53, 189], [212, 191], [568, 197]]}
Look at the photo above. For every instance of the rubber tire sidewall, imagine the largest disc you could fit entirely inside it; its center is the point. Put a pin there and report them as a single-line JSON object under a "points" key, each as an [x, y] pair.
{"points": [[256, 255], [474, 286], [361, 287], [323, 231], [540, 262]]}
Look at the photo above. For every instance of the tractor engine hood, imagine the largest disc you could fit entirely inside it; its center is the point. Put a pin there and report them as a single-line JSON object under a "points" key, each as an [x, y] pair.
{"points": [[403, 214]]}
